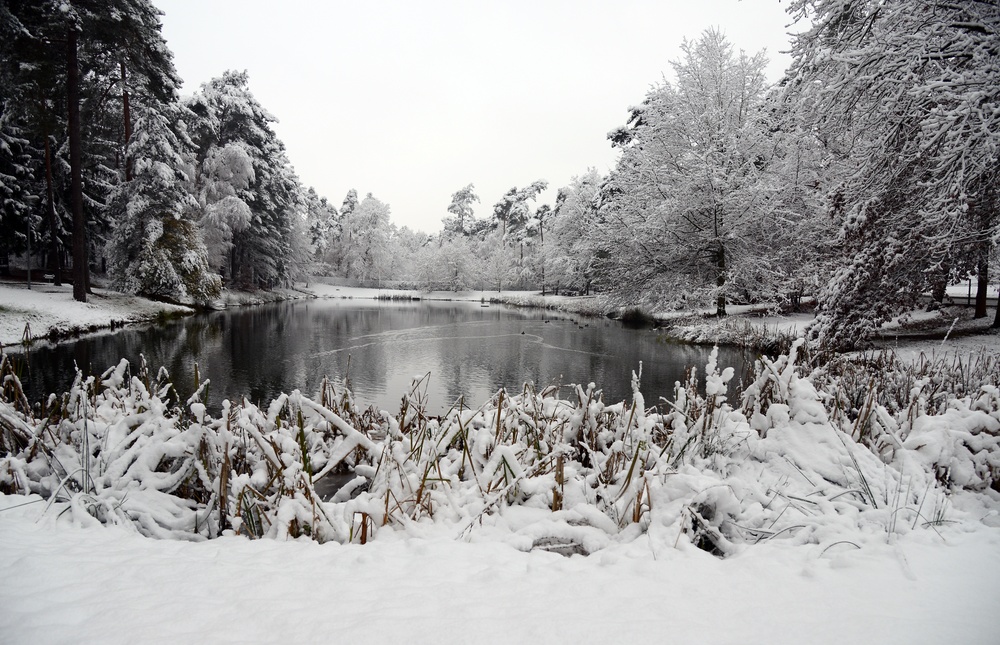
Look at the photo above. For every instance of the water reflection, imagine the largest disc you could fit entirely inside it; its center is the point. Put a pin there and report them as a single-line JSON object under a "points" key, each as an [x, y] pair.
{"points": [[469, 351]]}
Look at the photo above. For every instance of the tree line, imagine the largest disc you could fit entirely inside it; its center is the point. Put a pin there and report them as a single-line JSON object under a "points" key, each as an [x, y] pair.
{"points": [[867, 177]]}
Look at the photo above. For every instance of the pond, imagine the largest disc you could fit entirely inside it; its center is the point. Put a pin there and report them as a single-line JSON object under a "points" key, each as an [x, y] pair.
{"points": [[466, 349]]}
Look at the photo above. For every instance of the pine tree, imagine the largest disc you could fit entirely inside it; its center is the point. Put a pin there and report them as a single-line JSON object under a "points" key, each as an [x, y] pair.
{"points": [[460, 223], [229, 128], [155, 249]]}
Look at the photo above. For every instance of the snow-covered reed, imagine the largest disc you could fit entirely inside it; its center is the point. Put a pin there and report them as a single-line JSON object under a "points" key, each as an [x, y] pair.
{"points": [[796, 457]]}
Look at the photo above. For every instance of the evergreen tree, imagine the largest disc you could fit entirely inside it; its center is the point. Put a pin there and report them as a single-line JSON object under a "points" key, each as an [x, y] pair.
{"points": [[155, 249], [461, 221], [71, 57], [235, 145]]}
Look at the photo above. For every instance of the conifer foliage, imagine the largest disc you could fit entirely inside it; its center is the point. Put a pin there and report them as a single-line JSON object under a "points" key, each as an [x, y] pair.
{"points": [[100, 160]]}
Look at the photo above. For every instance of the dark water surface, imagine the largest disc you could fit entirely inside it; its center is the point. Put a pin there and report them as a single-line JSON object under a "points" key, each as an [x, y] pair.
{"points": [[468, 349]]}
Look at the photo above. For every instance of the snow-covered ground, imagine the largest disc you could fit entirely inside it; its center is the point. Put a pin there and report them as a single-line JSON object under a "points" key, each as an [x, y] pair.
{"points": [[47, 309], [106, 585]]}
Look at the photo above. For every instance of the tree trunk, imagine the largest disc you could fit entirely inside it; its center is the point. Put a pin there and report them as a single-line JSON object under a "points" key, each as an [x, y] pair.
{"points": [[982, 284], [55, 258], [996, 320], [720, 281], [80, 277], [127, 118], [938, 291]]}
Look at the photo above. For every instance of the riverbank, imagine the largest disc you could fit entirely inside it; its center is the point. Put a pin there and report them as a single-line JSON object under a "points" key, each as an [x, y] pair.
{"points": [[48, 311], [759, 327]]}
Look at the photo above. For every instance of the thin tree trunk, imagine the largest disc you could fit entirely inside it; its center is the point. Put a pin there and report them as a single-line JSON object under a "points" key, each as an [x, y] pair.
{"points": [[996, 320], [982, 284], [80, 278], [55, 258], [720, 281]]}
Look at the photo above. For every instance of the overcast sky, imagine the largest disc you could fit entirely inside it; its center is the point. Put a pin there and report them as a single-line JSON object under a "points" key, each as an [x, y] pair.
{"points": [[411, 100]]}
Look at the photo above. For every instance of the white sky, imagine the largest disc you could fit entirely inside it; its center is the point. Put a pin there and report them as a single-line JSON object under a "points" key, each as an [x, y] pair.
{"points": [[412, 100]]}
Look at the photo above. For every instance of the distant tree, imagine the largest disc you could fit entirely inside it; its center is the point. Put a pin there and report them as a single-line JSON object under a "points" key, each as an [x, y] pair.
{"points": [[323, 223], [907, 92], [512, 212], [368, 231], [497, 261], [350, 203], [461, 209], [574, 233], [405, 248]]}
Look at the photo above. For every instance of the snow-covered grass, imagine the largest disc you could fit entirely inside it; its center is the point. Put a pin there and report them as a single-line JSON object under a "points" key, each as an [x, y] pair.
{"points": [[835, 513], [49, 310]]}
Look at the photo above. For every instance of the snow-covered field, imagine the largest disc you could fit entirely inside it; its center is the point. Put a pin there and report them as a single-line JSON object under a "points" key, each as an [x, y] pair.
{"points": [[107, 585]]}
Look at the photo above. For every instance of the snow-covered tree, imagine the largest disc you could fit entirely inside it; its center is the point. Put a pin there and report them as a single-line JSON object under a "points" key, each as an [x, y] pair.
{"points": [[683, 208], [907, 92], [497, 262], [78, 68], [512, 212], [323, 223], [573, 235], [462, 214], [248, 206], [224, 181], [155, 249], [366, 231]]}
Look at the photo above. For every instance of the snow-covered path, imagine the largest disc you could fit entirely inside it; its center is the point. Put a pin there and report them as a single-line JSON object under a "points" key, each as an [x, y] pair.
{"points": [[64, 584]]}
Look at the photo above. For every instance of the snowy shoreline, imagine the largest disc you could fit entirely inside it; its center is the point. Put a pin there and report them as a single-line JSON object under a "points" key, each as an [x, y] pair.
{"points": [[48, 311], [51, 313]]}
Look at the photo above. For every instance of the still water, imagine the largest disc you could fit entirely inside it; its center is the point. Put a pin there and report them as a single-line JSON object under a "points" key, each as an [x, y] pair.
{"points": [[469, 350]]}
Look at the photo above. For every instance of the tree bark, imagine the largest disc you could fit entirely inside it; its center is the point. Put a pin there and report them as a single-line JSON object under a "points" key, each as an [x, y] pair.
{"points": [[80, 277], [55, 258]]}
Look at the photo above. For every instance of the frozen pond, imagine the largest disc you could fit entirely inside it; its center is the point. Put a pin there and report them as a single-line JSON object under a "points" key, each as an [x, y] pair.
{"points": [[469, 350]]}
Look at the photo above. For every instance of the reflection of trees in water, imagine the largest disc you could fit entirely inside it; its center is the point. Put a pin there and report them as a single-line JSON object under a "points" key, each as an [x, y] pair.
{"points": [[471, 351]]}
